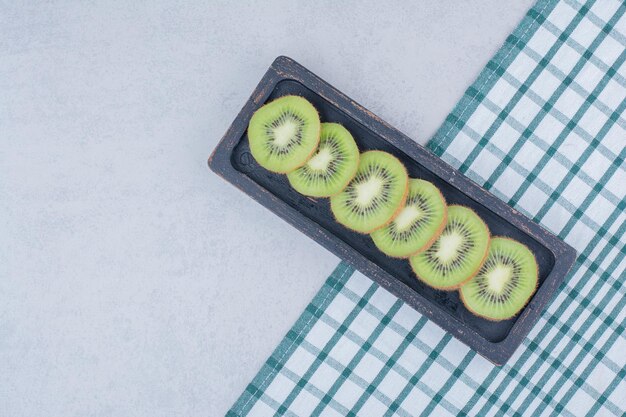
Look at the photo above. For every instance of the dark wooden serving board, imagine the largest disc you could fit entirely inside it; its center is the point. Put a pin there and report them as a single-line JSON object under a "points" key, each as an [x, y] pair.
{"points": [[232, 160]]}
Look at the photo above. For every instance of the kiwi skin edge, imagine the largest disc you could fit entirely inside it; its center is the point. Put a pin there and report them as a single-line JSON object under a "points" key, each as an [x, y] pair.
{"points": [[317, 144], [393, 216], [358, 159], [435, 236], [400, 207], [309, 156], [522, 307], [459, 285]]}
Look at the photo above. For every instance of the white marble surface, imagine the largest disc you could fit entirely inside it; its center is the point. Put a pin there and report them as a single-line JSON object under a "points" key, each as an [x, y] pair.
{"points": [[134, 282]]}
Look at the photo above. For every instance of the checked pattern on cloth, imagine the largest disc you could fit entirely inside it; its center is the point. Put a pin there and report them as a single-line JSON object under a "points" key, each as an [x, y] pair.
{"points": [[543, 128]]}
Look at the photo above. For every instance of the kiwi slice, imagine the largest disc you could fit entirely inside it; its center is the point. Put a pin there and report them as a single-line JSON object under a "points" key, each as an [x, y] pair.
{"points": [[331, 167], [284, 133], [374, 196], [457, 254], [418, 224], [505, 282]]}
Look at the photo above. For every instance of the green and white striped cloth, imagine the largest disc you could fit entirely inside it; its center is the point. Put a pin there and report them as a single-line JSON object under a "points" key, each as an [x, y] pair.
{"points": [[544, 129]]}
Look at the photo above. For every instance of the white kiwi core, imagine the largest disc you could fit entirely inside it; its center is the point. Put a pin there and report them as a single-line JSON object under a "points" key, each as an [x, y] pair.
{"points": [[321, 160], [367, 191], [449, 246], [285, 132], [407, 217], [498, 277]]}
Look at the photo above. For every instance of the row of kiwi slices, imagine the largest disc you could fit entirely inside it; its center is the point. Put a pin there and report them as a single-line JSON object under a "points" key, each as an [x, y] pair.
{"points": [[448, 247]]}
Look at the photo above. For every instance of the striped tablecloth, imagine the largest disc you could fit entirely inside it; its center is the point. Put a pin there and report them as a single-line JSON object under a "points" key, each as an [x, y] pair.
{"points": [[543, 128]]}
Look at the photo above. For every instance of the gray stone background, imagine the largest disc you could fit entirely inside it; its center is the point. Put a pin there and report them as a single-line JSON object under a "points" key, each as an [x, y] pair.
{"points": [[133, 281]]}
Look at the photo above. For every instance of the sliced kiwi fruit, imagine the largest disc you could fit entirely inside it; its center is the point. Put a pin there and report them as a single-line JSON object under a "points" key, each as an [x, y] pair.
{"points": [[505, 282], [284, 133], [331, 167], [457, 254], [374, 196], [417, 225]]}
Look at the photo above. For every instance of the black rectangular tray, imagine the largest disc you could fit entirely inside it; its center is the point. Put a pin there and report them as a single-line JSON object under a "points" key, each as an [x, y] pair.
{"points": [[232, 160]]}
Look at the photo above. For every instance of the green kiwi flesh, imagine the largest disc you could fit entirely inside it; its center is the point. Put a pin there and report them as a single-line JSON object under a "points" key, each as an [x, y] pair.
{"points": [[284, 133], [331, 167], [505, 282], [417, 225], [457, 254], [449, 247], [374, 196]]}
